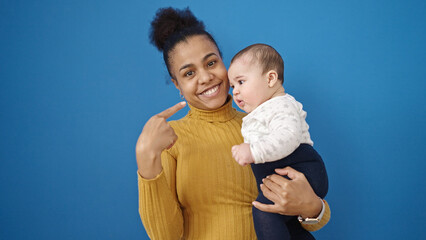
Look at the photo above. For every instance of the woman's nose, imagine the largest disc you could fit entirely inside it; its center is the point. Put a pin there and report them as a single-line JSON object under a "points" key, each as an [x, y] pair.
{"points": [[205, 76]]}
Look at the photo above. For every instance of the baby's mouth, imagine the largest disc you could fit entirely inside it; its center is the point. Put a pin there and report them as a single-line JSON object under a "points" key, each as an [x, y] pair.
{"points": [[240, 103]]}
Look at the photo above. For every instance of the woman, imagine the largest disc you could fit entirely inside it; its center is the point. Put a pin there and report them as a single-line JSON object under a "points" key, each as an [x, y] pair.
{"points": [[189, 185]]}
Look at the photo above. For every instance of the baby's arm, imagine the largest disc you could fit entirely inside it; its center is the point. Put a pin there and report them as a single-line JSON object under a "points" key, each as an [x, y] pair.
{"points": [[285, 134], [242, 154]]}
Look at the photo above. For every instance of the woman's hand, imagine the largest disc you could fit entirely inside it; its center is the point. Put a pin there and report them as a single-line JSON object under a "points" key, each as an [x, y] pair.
{"points": [[156, 136], [290, 197]]}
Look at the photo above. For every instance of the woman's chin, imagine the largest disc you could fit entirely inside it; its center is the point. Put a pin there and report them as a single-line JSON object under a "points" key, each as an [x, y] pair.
{"points": [[216, 102]]}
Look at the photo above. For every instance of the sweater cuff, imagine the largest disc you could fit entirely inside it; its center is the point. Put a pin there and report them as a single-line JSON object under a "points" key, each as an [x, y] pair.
{"points": [[149, 181], [324, 220]]}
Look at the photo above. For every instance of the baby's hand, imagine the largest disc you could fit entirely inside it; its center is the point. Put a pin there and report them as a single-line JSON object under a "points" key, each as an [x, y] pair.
{"points": [[242, 154]]}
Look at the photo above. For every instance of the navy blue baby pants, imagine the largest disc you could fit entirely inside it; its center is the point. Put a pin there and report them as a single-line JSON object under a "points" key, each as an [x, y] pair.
{"points": [[273, 226]]}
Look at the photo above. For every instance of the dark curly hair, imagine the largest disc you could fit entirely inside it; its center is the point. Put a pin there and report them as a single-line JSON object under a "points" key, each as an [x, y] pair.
{"points": [[172, 26]]}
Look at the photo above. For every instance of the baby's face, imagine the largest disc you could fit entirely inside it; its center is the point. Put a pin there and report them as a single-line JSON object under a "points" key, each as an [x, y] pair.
{"points": [[249, 85]]}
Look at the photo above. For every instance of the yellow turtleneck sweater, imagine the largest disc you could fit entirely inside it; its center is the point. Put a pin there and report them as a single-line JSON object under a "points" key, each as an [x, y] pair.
{"points": [[202, 193]]}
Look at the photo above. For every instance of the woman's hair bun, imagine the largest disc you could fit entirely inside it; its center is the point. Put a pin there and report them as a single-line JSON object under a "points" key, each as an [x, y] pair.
{"points": [[168, 21]]}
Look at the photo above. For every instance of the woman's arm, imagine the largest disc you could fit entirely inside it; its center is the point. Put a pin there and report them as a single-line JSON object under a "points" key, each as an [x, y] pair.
{"points": [[159, 208], [158, 205], [294, 197]]}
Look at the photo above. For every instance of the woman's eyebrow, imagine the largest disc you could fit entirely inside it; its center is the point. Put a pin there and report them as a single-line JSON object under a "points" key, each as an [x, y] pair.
{"points": [[208, 55], [185, 66], [204, 58]]}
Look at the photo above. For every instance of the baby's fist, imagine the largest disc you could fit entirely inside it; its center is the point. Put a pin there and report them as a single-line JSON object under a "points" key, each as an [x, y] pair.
{"points": [[242, 154]]}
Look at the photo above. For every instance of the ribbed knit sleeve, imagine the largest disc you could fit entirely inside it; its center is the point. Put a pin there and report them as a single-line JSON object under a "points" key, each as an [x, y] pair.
{"points": [[158, 205], [324, 220]]}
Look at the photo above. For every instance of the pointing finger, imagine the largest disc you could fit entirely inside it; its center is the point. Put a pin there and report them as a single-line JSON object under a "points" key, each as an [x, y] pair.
{"points": [[172, 110]]}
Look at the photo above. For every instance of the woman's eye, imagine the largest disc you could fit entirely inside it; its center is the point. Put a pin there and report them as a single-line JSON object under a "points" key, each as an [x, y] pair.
{"points": [[232, 86], [189, 73], [211, 63], [240, 82]]}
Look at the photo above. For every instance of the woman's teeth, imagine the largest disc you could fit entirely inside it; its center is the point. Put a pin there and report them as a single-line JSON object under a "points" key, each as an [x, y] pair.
{"points": [[211, 91]]}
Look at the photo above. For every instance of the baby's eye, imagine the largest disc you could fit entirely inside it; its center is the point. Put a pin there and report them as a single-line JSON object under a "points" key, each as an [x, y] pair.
{"points": [[211, 63], [189, 73]]}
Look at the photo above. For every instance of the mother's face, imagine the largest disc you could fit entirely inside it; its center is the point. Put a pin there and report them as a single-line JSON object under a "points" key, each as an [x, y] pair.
{"points": [[200, 73]]}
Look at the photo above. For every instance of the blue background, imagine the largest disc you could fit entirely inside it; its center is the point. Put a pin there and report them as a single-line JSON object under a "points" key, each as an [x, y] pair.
{"points": [[78, 79]]}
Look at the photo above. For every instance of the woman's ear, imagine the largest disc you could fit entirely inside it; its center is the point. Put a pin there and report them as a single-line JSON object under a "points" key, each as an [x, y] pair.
{"points": [[175, 82], [272, 78]]}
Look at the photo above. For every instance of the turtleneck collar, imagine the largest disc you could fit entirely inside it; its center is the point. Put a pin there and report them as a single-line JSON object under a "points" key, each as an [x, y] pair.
{"points": [[222, 114]]}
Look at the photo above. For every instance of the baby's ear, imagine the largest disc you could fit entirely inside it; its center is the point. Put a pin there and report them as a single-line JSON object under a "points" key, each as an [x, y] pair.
{"points": [[272, 78]]}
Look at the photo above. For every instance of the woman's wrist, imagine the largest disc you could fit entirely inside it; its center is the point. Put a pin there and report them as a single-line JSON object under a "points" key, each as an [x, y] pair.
{"points": [[149, 163], [313, 209]]}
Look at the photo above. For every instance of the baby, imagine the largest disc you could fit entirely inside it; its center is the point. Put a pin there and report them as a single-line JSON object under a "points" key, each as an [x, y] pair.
{"points": [[275, 134]]}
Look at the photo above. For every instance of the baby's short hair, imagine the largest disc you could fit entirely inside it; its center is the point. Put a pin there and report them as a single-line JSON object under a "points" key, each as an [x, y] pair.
{"points": [[266, 56]]}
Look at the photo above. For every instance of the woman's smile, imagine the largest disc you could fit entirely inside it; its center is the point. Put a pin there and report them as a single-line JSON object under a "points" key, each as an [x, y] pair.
{"points": [[211, 92]]}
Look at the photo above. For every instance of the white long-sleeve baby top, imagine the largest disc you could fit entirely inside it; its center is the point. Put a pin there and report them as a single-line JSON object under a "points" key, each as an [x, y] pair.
{"points": [[276, 128]]}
